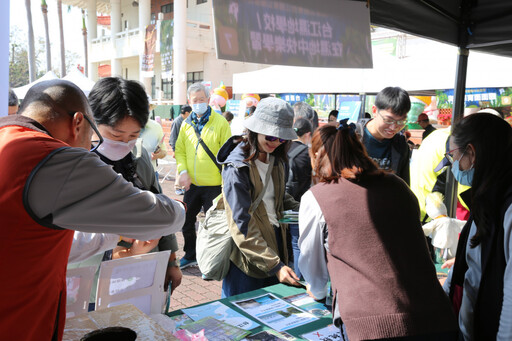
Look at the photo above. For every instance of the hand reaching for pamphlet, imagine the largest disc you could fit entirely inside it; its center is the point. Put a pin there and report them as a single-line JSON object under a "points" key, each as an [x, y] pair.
{"points": [[448, 264], [288, 276], [139, 247]]}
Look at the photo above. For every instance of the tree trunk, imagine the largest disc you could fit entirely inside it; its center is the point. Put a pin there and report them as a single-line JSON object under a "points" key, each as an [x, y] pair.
{"points": [[62, 49], [84, 32], [44, 9], [32, 71]]}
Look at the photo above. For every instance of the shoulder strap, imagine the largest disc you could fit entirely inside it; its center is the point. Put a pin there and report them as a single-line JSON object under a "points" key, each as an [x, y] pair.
{"points": [[297, 151], [206, 149], [256, 202]]}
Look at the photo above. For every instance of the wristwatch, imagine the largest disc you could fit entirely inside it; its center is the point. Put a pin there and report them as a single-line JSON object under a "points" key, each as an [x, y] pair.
{"points": [[173, 263]]}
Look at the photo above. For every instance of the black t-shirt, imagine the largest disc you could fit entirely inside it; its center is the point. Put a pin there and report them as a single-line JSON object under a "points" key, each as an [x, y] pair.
{"points": [[379, 151], [299, 178]]}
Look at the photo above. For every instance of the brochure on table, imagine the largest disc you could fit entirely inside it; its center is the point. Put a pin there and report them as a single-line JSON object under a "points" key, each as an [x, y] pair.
{"points": [[216, 330], [307, 303], [274, 312], [329, 333], [221, 312]]}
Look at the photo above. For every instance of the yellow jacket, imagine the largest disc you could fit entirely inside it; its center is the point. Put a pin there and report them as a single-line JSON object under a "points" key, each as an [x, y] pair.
{"points": [[190, 155], [425, 160]]}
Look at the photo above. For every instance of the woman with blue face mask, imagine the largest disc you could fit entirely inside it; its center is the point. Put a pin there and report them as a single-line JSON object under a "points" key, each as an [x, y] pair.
{"points": [[480, 283]]}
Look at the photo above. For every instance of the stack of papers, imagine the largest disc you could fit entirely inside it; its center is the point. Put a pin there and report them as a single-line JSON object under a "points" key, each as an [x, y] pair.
{"points": [[290, 217], [216, 330]]}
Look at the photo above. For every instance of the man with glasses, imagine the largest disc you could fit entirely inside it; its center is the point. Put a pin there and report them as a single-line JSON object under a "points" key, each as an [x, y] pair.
{"points": [[200, 137], [51, 185], [381, 136]]}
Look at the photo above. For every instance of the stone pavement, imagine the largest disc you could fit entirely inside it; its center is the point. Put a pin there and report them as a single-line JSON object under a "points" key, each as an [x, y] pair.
{"points": [[193, 289]]}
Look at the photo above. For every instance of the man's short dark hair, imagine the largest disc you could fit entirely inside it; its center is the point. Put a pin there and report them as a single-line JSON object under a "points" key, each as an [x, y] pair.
{"points": [[185, 108], [394, 99], [13, 99], [114, 98], [302, 126]]}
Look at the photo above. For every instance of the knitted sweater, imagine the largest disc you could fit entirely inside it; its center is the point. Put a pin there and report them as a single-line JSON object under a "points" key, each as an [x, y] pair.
{"points": [[383, 279]]}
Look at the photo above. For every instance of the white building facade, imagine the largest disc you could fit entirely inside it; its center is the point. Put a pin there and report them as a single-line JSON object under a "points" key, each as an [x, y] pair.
{"points": [[121, 44]]}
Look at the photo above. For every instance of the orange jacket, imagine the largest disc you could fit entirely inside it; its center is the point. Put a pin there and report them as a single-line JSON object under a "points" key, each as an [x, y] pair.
{"points": [[34, 257]]}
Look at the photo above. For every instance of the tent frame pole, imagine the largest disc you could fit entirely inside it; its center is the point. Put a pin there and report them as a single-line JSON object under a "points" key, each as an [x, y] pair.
{"points": [[457, 115]]}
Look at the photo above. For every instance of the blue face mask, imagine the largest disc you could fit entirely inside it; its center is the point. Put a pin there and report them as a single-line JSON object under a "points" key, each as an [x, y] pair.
{"points": [[200, 108], [463, 177]]}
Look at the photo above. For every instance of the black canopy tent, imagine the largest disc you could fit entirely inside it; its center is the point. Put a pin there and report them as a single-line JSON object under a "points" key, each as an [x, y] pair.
{"points": [[480, 25]]}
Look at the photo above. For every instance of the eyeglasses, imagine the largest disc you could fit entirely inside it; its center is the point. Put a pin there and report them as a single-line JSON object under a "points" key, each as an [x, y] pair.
{"points": [[449, 155], [95, 143], [390, 121], [273, 138]]}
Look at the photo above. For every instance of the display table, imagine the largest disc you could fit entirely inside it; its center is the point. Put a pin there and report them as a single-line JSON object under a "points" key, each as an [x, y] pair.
{"points": [[281, 291], [125, 315]]}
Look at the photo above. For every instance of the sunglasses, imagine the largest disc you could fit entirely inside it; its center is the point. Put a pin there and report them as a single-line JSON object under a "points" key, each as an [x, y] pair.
{"points": [[273, 138]]}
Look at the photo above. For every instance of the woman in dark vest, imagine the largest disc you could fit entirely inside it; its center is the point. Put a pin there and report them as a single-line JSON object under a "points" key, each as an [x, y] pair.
{"points": [[360, 226], [480, 284]]}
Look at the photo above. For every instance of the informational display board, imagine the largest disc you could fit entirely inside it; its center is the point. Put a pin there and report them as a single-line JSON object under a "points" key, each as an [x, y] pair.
{"points": [[138, 280], [327, 33], [78, 286]]}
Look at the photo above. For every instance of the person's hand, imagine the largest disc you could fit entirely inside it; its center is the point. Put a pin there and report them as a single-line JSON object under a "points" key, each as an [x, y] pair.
{"points": [[308, 291], [185, 181], [174, 276], [286, 275], [140, 247], [448, 264]]}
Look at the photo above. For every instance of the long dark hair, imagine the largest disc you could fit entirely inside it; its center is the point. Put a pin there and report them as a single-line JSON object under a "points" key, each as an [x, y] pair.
{"points": [[491, 137], [338, 153], [251, 149]]}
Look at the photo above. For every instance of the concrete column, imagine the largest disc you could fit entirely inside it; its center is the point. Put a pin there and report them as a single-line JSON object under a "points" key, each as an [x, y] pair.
{"points": [[92, 21], [144, 20], [180, 52], [92, 33], [93, 71], [115, 27]]}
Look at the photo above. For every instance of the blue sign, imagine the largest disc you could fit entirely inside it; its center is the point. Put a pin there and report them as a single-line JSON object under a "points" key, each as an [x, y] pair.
{"points": [[294, 98], [348, 107]]}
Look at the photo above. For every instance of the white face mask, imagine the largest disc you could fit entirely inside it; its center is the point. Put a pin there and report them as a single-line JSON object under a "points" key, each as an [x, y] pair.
{"points": [[115, 150]]}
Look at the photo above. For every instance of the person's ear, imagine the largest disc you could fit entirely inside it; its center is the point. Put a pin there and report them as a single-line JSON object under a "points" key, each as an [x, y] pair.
{"points": [[471, 153], [78, 125], [374, 109]]}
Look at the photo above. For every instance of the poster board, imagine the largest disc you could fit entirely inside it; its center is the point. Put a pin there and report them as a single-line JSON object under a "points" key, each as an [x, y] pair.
{"points": [[138, 280], [78, 286]]}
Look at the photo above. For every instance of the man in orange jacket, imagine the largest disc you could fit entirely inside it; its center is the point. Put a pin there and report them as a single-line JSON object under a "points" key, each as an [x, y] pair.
{"points": [[51, 185]]}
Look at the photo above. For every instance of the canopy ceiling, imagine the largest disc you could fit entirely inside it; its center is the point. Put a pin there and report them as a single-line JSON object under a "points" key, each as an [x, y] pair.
{"points": [[434, 69], [482, 25]]}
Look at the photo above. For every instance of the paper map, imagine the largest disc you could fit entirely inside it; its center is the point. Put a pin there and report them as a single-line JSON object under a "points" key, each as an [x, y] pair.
{"points": [[222, 313]]}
